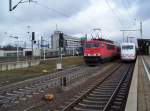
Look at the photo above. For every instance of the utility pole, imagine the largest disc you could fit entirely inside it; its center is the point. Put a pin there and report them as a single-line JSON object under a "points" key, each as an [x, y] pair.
{"points": [[25, 44], [44, 52], [17, 49], [38, 44], [17, 46], [32, 47], [56, 27], [123, 35], [41, 41], [41, 46], [141, 31]]}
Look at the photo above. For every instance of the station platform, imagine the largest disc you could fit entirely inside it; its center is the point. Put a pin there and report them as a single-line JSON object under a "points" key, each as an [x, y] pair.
{"points": [[139, 93]]}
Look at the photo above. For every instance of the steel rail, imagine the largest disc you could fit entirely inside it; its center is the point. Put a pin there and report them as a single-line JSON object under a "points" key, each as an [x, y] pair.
{"points": [[76, 101], [107, 106]]}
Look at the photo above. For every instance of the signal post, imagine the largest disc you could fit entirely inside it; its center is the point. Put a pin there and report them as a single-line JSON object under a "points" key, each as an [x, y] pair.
{"points": [[61, 46]]}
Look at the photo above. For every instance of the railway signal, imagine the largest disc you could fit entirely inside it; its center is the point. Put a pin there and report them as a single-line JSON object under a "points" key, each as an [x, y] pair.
{"points": [[61, 39], [61, 46], [33, 36], [32, 41]]}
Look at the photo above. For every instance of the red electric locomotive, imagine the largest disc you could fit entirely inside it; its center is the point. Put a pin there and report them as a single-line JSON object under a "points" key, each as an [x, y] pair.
{"points": [[99, 50]]}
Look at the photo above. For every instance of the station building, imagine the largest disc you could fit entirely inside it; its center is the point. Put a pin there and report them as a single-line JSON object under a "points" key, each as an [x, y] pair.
{"points": [[144, 46]]}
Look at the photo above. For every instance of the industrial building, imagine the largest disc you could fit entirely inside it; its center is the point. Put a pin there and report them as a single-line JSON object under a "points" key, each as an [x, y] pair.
{"points": [[10, 53], [28, 52], [71, 43]]}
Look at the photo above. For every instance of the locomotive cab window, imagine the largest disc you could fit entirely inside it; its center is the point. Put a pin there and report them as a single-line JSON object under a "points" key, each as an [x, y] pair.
{"points": [[127, 47], [110, 47], [92, 45]]}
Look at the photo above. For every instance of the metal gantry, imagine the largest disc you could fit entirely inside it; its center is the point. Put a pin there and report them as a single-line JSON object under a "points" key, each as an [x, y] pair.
{"points": [[141, 31]]}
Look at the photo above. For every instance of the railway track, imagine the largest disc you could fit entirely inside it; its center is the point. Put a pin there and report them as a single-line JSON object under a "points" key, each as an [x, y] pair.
{"points": [[13, 93], [107, 95]]}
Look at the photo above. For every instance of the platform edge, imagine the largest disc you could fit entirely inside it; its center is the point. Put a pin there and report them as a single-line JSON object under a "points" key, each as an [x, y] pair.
{"points": [[131, 104]]}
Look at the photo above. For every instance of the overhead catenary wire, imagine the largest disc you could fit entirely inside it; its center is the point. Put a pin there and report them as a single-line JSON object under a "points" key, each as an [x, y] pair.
{"points": [[114, 12], [128, 3], [127, 6], [125, 3], [52, 9], [129, 16]]}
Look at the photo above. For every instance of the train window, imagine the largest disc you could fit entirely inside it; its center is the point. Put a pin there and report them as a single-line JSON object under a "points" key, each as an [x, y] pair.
{"points": [[127, 47], [110, 47], [96, 45], [92, 45], [87, 45]]}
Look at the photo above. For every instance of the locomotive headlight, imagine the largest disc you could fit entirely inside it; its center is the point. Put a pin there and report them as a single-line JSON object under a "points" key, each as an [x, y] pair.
{"points": [[89, 54], [99, 54]]}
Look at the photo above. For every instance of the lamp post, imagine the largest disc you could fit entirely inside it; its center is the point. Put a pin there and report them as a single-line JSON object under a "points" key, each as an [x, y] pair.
{"points": [[44, 45], [16, 37]]}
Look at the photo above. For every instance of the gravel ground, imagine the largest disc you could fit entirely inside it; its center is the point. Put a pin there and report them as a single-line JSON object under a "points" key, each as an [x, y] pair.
{"points": [[27, 100], [17, 75], [63, 95]]}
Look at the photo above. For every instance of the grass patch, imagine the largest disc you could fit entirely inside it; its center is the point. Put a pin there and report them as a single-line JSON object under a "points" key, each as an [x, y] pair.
{"points": [[35, 71]]}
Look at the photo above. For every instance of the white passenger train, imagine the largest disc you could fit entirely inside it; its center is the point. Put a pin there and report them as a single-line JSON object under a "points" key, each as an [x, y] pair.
{"points": [[128, 51]]}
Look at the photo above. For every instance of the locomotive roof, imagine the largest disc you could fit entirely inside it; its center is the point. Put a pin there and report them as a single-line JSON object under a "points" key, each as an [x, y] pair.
{"points": [[127, 43], [105, 40], [96, 40]]}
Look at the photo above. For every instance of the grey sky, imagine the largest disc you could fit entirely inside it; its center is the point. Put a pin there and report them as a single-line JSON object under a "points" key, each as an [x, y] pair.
{"points": [[74, 17]]}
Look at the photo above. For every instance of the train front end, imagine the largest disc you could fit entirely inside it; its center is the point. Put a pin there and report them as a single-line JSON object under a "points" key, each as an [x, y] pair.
{"points": [[128, 51], [92, 52]]}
